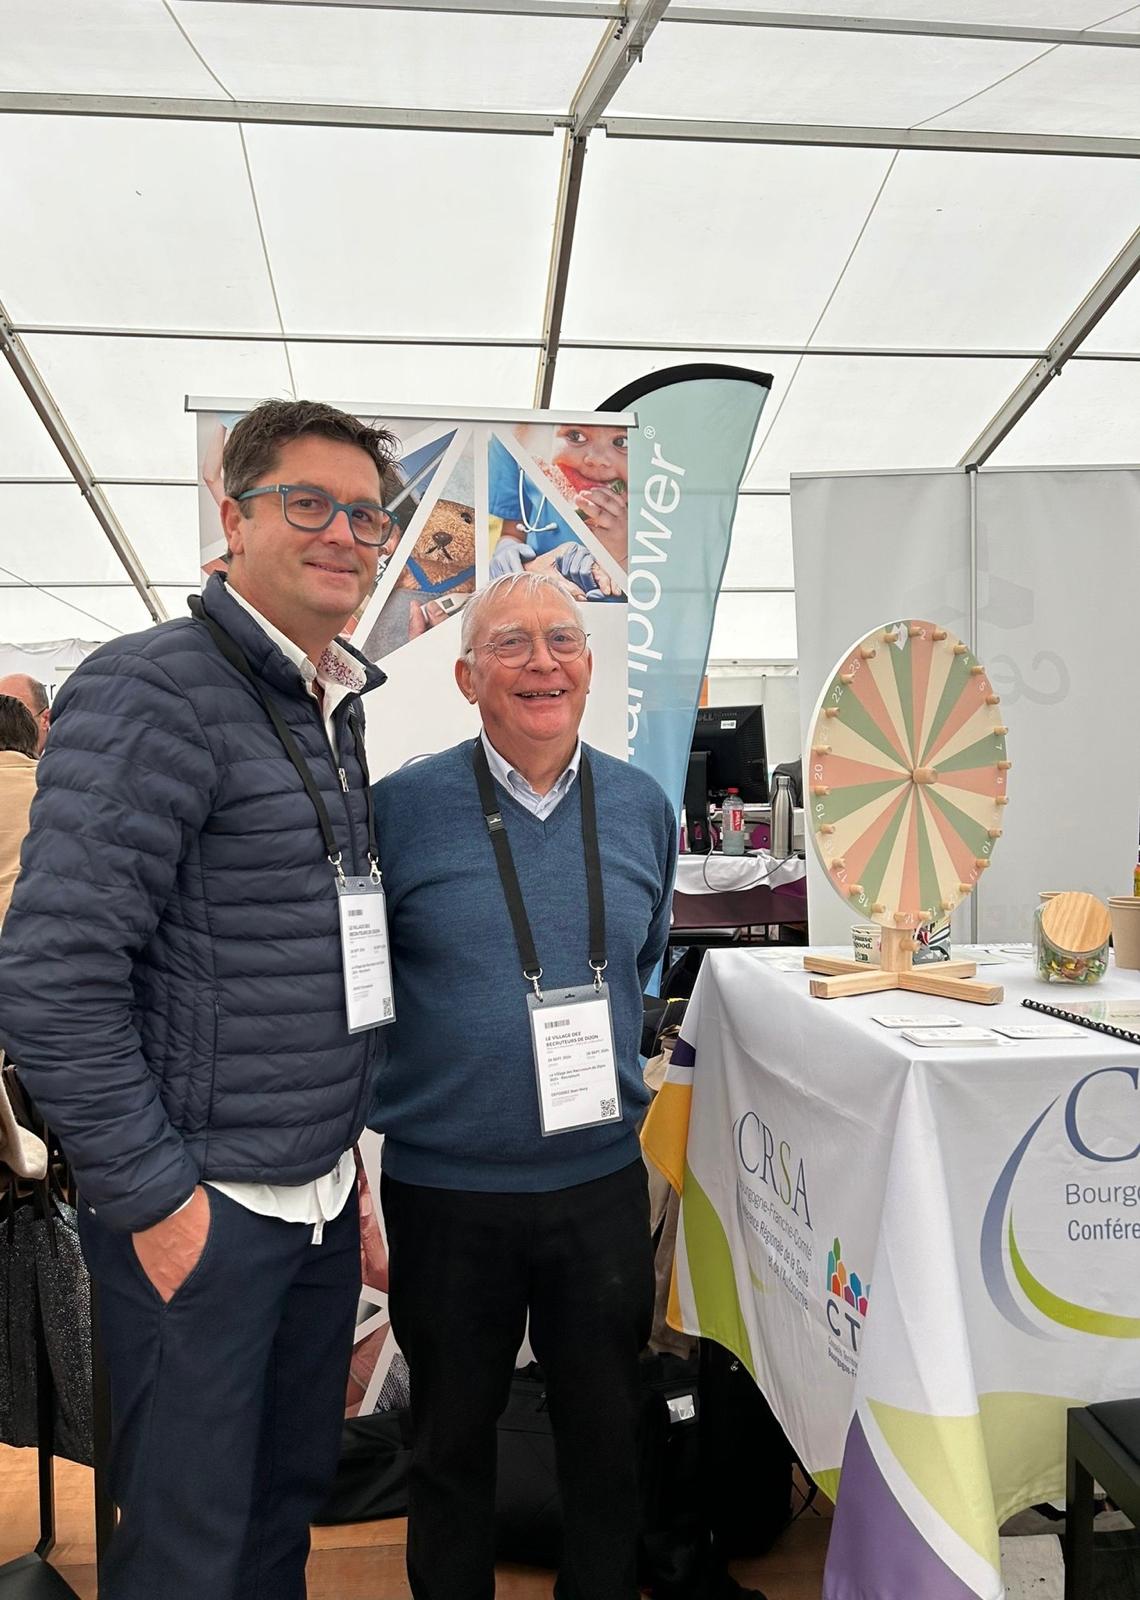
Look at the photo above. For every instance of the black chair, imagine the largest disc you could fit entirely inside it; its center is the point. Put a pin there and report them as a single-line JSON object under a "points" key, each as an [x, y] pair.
{"points": [[1103, 1444]]}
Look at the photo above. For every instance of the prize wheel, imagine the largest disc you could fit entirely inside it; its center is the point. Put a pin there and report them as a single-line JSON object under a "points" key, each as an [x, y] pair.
{"points": [[907, 774]]}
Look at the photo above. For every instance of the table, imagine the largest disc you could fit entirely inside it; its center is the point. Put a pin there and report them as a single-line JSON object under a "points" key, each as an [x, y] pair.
{"points": [[923, 1256], [719, 891]]}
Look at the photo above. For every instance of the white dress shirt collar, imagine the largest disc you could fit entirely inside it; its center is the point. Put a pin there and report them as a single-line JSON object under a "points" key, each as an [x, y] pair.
{"points": [[539, 805], [336, 668], [337, 674]]}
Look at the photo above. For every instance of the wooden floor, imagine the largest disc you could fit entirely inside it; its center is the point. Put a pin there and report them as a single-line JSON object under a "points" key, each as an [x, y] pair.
{"points": [[364, 1561]]}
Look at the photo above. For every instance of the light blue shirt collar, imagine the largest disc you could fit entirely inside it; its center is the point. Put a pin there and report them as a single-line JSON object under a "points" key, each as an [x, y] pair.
{"points": [[539, 805]]}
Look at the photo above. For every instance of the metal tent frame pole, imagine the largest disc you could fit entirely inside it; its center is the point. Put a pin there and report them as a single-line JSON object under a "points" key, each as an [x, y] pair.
{"points": [[45, 407], [1108, 288]]}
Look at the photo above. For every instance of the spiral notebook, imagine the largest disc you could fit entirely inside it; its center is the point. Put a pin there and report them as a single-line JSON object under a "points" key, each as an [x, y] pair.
{"points": [[1105, 1016]]}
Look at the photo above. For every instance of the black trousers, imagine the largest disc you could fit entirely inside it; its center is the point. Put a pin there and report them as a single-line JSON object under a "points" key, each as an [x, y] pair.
{"points": [[226, 1403], [465, 1268]]}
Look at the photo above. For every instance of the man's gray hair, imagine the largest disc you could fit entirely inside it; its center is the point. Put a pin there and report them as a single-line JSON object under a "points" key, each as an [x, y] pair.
{"points": [[529, 585]]}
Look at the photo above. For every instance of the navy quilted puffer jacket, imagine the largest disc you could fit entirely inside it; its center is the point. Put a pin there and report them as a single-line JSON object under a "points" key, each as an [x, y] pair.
{"points": [[170, 972]]}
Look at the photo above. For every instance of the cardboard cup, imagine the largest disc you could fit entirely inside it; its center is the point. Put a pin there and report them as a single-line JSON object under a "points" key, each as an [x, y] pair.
{"points": [[866, 941], [1125, 916]]}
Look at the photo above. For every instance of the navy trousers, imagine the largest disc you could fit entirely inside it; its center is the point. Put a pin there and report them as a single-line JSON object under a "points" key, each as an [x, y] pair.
{"points": [[465, 1268], [226, 1403]]}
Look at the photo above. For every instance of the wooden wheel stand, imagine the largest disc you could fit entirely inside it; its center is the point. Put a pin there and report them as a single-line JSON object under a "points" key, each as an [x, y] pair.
{"points": [[950, 980]]}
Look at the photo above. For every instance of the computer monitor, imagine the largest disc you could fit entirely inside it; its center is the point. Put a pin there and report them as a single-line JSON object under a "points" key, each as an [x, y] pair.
{"points": [[733, 739]]}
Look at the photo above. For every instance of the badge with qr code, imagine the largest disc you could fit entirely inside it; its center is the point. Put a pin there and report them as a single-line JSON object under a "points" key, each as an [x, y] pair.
{"points": [[364, 954], [572, 1037]]}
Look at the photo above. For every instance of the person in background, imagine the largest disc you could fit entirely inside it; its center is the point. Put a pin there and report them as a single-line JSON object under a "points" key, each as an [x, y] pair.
{"points": [[490, 1219], [171, 991], [19, 738], [32, 694]]}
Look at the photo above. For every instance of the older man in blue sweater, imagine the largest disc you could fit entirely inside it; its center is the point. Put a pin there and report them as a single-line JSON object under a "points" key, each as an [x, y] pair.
{"points": [[513, 1184]]}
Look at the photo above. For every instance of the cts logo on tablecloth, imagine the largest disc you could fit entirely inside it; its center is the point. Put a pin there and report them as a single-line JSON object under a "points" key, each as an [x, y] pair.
{"points": [[846, 1299]]}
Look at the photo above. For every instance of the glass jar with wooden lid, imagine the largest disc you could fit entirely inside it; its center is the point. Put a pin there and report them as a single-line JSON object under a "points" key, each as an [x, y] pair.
{"points": [[1071, 934]]}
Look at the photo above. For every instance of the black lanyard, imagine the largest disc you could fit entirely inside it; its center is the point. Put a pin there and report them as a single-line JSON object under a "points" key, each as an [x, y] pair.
{"points": [[237, 659], [595, 899]]}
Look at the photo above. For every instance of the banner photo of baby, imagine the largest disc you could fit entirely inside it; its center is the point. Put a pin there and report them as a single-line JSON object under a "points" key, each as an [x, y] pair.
{"points": [[558, 501]]}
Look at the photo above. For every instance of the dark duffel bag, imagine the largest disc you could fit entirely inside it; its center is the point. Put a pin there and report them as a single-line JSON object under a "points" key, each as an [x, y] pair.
{"points": [[677, 1557], [372, 1473], [746, 1460], [528, 1511]]}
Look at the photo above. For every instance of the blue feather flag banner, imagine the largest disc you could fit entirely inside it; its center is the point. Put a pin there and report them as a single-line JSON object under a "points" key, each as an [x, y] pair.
{"points": [[687, 458]]}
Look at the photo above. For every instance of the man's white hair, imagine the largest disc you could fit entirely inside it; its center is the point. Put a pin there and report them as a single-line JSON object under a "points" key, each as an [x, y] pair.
{"points": [[529, 586]]}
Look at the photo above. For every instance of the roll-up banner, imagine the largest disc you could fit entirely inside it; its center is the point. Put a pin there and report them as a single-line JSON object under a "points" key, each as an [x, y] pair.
{"points": [[473, 495], [630, 507]]}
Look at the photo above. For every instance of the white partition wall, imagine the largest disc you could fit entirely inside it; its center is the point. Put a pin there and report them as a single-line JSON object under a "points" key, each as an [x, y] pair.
{"points": [[868, 549], [1059, 632], [1042, 574]]}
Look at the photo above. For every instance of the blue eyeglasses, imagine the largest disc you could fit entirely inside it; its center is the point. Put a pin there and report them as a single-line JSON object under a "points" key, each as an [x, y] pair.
{"points": [[312, 511]]}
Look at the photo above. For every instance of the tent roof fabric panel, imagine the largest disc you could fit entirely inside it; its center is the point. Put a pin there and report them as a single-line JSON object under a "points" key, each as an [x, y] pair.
{"points": [[364, 259], [846, 414], [738, 249], [25, 449], [351, 55], [163, 523], [138, 224], [1088, 415], [125, 398], [1024, 13], [51, 537], [1129, 22], [952, 257], [925, 284], [174, 597], [587, 377], [803, 75], [113, 47], [96, 613], [1068, 89], [391, 376], [1119, 328]]}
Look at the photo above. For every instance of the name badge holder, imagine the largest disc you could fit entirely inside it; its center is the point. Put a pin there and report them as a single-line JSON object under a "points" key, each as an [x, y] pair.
{"points": [[361, 905], [571, 1030]]}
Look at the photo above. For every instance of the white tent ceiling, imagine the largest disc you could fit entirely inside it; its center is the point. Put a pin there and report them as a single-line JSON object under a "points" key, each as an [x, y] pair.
{"points": [[910, 215]]}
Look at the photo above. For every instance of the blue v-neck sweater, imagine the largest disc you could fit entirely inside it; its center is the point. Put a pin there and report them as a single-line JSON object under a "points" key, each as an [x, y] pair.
{"points": [[456, 1097]]}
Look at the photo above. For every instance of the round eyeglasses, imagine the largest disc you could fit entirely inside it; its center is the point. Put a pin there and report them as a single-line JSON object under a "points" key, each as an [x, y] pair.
{"points": [[514, 647], [312, 511]]}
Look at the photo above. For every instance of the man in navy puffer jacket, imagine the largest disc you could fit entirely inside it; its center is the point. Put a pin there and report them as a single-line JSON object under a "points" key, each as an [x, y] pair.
{"points": [[171, 989]]}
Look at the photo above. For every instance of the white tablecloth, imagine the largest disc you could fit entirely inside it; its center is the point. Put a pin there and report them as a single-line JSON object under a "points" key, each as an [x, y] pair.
{"points": [[718, 874], [924, 1256]]}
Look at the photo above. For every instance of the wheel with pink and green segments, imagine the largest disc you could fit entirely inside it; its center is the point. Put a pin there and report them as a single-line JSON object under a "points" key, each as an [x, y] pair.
{"points": [[907, 772]]}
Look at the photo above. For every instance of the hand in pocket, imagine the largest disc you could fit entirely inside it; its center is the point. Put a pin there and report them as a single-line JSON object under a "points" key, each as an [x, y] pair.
{"points": [[169, 1252]]}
